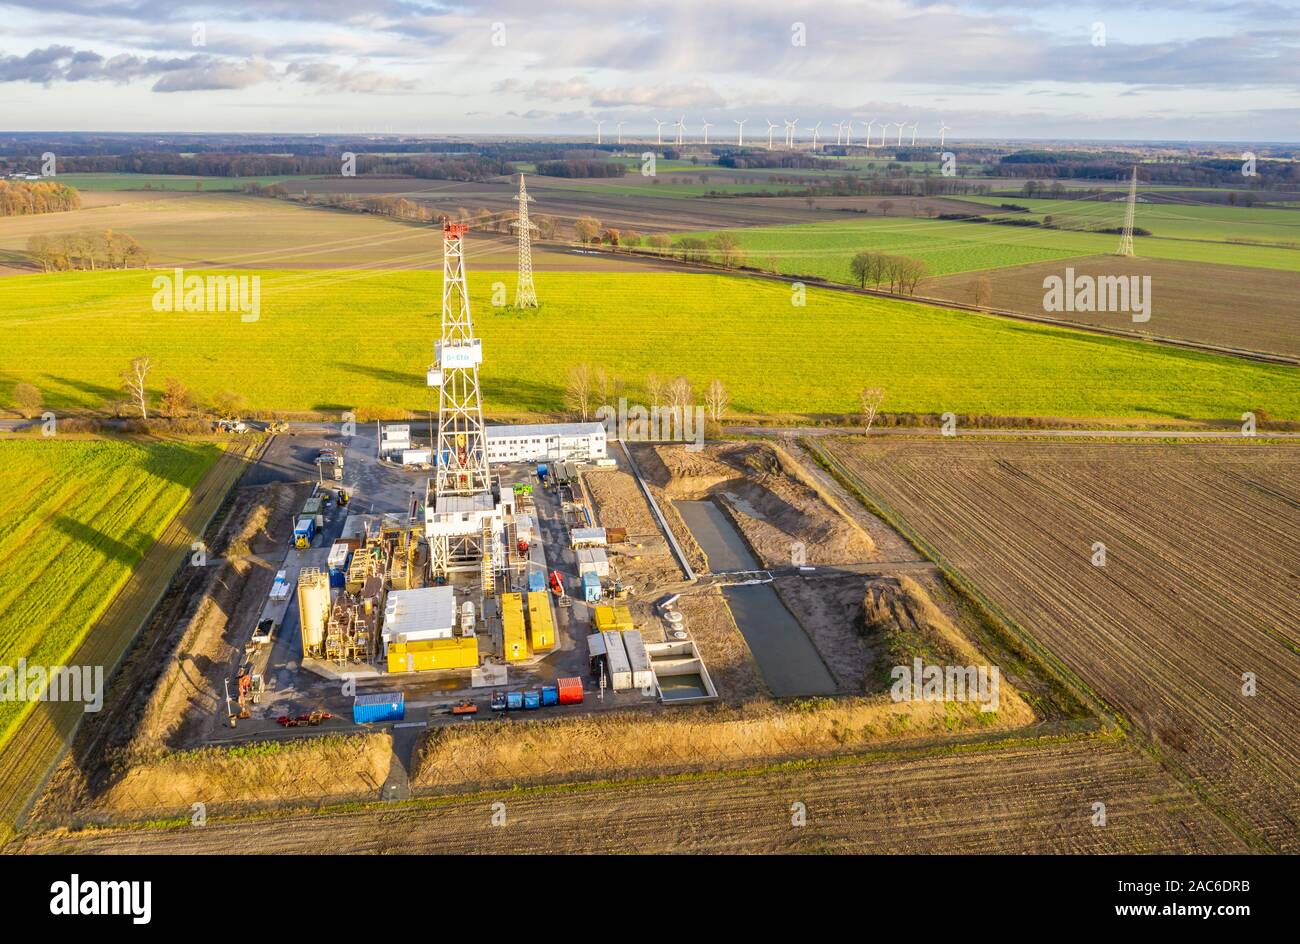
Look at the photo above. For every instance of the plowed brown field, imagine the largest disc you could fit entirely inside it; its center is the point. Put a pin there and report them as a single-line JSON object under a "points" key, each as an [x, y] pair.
{"points": [[1201, 585], [1035, 797]]}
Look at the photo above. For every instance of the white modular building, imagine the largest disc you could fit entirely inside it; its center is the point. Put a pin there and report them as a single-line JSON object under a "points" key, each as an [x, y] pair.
{"points": [[546, 442], [414, 615]]}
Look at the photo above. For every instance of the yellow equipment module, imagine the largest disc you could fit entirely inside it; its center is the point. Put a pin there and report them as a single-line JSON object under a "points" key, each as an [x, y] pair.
{"points": [[540, 620], [514, 641], [459, 652], [613, 619]]}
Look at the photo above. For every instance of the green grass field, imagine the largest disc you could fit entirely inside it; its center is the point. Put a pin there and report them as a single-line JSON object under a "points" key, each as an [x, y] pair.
{"points": [[335, 340], [823, 250], [75, 518], [1175, 221]]}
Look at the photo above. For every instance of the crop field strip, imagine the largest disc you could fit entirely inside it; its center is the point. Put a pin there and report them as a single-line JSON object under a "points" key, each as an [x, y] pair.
{"points": [[948, 247], [1034, 796], [1189, 301], [1199, 587], [928, 359], [39, 739]]}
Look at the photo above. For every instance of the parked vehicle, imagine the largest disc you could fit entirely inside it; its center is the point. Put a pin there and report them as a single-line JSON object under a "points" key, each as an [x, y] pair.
{"points": [[498, 701]]}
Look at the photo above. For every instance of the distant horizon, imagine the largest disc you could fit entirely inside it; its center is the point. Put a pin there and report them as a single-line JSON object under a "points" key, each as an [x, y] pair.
{"points": [[719, 141], [1158, 71]]}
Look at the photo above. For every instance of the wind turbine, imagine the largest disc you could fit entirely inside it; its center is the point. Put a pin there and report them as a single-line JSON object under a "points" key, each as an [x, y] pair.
{"points": [[848, 132], [707, 126], [943, 129], [816, 128], [740, 131], [869, 124], [839, 132], [771, 126], [620, 132], [914, 134], [598, 124], [659, 131], [901, 125], [792, 128], [884, 130], [681, 126]]}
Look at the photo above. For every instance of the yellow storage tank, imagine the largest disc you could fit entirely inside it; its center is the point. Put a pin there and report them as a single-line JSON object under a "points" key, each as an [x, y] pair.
{"points": [[459, 652], [540, 621], [514, 641]]}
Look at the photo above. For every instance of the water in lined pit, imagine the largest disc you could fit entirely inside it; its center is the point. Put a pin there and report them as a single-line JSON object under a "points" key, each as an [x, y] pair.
{"points": [[722, 544], [785, 655], [689, 685]]}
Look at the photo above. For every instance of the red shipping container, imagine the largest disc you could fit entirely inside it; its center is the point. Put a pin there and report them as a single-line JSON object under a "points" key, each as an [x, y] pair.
{"points": [[570, 691]]}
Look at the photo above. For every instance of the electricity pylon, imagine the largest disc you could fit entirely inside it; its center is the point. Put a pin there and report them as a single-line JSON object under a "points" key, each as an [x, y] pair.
{"points": [[525, 292], [1126, 239]]}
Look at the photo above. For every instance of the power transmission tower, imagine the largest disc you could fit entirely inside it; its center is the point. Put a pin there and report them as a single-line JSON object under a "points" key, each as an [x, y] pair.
{"points": [[1126, 240], [458, 501], [525, 293]]}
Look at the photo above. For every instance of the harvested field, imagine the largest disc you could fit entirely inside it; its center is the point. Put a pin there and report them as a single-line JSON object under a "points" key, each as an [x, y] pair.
{"points": [[1230, 306], [1201, 585], [646, 209], [1034, 797]]}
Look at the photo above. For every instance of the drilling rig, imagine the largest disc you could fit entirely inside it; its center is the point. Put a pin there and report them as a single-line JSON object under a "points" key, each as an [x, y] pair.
{"points": [[463, 519]]}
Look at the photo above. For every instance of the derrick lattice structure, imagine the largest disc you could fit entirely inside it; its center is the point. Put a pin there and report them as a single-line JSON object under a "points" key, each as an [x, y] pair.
{"points": [[525, 292], [459, 502]]}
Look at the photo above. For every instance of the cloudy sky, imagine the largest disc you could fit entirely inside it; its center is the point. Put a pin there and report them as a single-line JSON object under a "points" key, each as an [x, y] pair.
{"points": [[1142, 69]]}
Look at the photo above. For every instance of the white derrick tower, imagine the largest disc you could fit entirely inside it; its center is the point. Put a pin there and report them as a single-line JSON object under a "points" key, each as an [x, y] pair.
{"points": [[461, 517], [525, 293], [1126, 239]]}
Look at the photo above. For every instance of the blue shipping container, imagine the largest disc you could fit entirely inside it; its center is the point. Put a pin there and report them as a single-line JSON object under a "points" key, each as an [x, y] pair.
{"points": [[536, 579], [590, 587], [541, 470], [380, 706], [550, 695], [532, 699], [514, 700]]}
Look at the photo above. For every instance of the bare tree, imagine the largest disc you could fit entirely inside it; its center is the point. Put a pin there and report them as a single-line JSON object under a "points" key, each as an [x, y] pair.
{"points": [[604, 384], [870, 398], [717, 400], [27, 399], [679, 393], [134, 379], [981, 290], [654, 388], [578, 389], [177, 401]]}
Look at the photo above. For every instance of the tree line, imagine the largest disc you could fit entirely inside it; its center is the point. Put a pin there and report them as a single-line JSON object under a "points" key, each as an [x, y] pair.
{"points": [[900, 273], [580, 169], [29, 197], [88, 251], [424, 166]]}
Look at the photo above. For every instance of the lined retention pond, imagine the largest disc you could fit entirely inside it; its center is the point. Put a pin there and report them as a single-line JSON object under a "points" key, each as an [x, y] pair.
{"points": [[785, 655]]}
